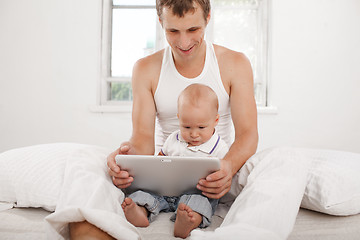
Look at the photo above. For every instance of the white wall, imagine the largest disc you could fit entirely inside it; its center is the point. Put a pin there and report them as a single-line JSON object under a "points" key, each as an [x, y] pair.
{"points": [[49, 71], [315, 74]]}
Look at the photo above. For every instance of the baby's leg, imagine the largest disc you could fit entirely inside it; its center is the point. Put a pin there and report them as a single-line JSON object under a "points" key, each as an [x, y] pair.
{"points": [[136, 215], [186, 221]]}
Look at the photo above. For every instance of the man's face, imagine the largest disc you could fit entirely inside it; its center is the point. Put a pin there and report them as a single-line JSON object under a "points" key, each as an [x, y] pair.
{"points": [[184, 34]]}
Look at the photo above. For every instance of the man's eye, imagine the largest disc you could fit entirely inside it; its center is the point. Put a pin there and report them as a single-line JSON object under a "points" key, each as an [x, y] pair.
{"points": [[193, 29]]}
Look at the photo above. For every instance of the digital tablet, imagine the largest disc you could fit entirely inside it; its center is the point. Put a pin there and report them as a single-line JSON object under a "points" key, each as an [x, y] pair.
{"points": [[166, 175]]}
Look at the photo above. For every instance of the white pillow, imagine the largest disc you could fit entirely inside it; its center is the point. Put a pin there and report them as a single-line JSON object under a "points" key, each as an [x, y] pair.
{"points": [[32, 176], [333, 182]]}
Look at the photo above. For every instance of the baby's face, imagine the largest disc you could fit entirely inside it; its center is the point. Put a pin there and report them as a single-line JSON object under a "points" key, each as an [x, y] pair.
{"points": [[197, 124]]}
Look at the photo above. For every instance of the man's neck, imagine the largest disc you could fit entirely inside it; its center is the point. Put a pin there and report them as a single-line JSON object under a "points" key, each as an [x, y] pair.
{"points": [[191, 67]]}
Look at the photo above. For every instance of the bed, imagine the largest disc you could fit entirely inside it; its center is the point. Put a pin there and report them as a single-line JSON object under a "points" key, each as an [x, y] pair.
{"points": [[41, 185], [20, 223]]}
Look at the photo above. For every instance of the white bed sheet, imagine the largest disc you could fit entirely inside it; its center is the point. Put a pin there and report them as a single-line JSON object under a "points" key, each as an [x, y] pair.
{"points": [[312, 225], [23, 223], [28, 223]]}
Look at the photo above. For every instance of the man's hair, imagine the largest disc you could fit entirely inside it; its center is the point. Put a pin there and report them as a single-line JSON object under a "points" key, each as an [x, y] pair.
{"points": [[180, 7]]}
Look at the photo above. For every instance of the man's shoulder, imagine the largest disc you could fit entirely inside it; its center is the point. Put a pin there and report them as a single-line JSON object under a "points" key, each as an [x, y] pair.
{"points": [[225, 55], [234, 66], [147, 70], [150, 61]]}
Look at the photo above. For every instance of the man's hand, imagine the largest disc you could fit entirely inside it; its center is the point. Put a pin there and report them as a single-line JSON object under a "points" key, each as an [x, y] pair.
{"points": [[120, 178], [217, 184]]}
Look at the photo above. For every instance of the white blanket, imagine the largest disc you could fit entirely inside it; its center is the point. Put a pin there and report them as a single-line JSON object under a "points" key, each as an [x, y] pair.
{"points": [[88, 194], [272, 184], [267, 207]]}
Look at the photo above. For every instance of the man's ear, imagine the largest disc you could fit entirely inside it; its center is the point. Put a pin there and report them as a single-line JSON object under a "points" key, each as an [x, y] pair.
{"points": [[160, 21], [208, 18]]}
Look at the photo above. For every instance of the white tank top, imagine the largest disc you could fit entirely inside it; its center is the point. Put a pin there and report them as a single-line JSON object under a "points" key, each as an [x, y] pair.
{"points": [[171, 83]]}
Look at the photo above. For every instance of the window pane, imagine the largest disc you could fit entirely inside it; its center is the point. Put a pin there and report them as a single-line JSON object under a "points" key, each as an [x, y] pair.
{"points": [[238, 32], [121, 91], [133, 37], [134, 2], [219, 3]]}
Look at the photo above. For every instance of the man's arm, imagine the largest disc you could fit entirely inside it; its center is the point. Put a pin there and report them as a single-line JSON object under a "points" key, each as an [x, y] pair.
{"points": [[144, 110], [237, 78], [144, 79], [244, 115]]}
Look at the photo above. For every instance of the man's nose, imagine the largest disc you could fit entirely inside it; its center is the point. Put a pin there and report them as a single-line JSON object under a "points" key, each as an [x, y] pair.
{"points": [[184, 41]]}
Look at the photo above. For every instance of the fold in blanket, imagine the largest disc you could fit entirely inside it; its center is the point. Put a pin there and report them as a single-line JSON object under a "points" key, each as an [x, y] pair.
{"points": [[89, 194], [6, 206]]}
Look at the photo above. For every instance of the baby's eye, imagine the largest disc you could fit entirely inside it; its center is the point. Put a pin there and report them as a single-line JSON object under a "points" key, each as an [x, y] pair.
{"points": [[201, 127]]}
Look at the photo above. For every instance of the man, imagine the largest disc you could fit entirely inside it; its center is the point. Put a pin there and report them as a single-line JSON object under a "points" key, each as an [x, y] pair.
{"points": [[192, 60]]}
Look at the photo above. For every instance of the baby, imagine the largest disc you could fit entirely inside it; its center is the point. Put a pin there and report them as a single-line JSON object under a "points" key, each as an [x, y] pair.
{"points": [[198, 116]]}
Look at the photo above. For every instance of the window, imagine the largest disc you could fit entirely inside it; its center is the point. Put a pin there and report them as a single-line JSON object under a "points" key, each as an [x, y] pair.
{"points": [[131, 30]]}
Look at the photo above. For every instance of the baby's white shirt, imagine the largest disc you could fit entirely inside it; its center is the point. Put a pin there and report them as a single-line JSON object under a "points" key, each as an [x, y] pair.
{"points": [[175, 145]]}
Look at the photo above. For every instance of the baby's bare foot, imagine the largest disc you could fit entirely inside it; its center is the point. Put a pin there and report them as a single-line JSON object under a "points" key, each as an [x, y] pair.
{"points": [[135, 214], [186, 221]]}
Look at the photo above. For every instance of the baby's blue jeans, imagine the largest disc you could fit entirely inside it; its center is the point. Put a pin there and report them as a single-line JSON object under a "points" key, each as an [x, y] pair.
{"points": [[194, 199]]}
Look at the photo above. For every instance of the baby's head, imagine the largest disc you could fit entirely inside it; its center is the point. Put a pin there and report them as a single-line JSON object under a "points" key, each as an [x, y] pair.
{"points": [[198, 113]]}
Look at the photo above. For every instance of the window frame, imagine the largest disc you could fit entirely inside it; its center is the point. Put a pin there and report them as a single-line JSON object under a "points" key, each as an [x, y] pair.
{"points": [[106, 44], [106, 105]]}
